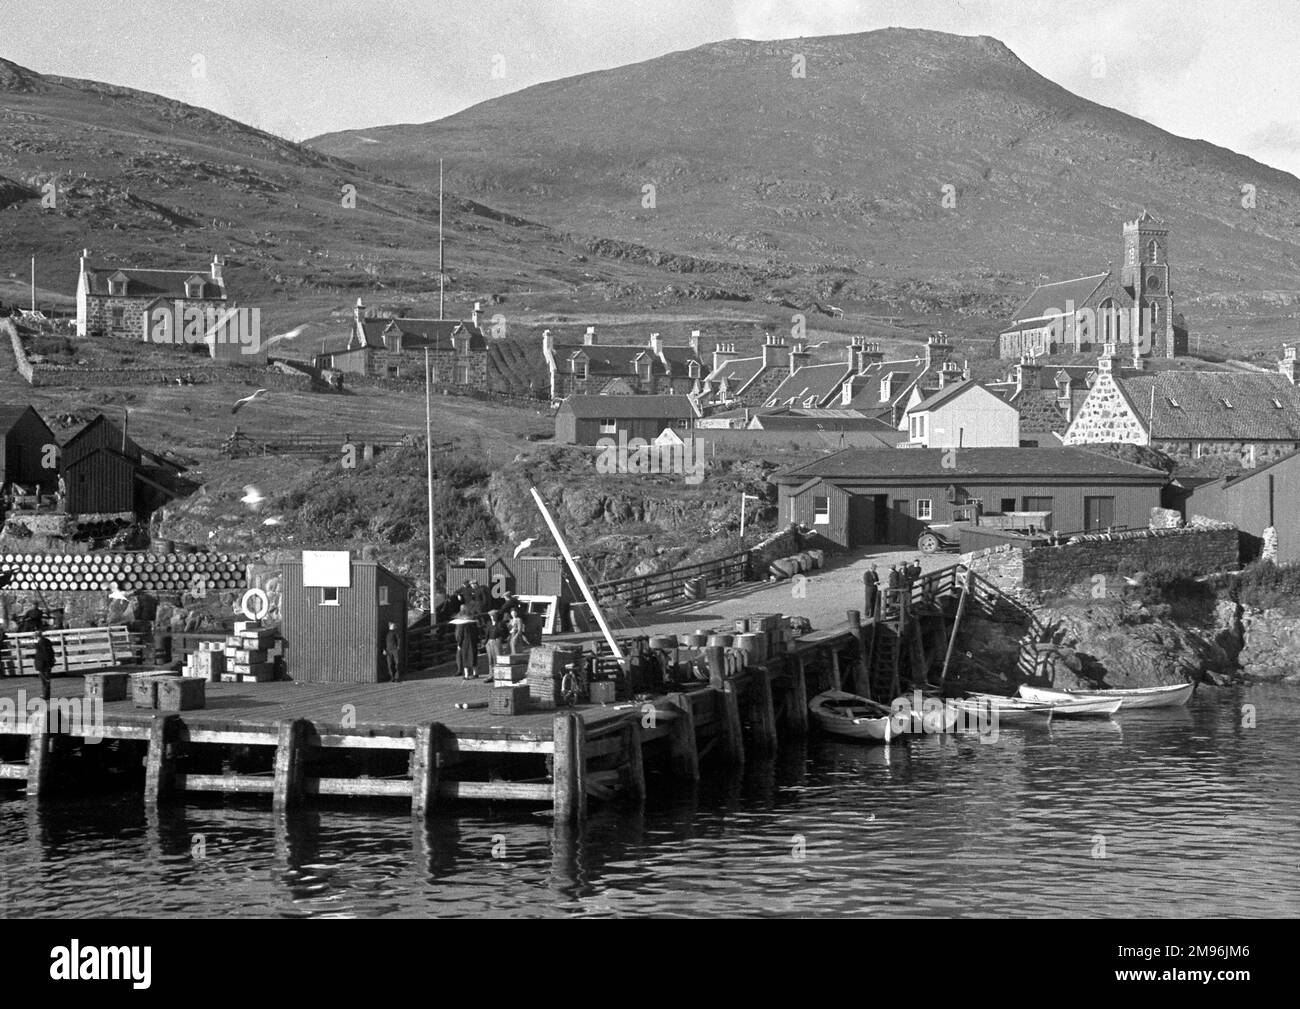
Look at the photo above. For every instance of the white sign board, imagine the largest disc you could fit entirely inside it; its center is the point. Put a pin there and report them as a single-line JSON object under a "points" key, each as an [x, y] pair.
{"points": [[327, 569]]}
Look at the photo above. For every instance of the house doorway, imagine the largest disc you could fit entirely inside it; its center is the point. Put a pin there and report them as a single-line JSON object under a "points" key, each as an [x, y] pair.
{"points": [[1098, 513]]}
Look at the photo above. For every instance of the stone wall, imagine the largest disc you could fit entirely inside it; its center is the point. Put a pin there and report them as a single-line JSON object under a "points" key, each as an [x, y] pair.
{"points": [[1244, 453], [1087, 567], [1105, 415]]}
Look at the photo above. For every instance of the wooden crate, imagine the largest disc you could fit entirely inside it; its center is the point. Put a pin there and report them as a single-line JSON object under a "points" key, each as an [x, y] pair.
{"points": [[144, 688], [509, 699], [108, 686], [258, 672], [250, 655], [602, 692], [181, 694]]}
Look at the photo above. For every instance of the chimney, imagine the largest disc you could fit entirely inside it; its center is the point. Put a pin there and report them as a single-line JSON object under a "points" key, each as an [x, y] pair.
{"points": [[657, 344], [1289, 366], [1107, 359], [217, 264], [695, 342], [478, 307], [589, 337], [937, 349], [721, 355], [359, 313], [775, 353], [798, 357], [1027, 373]]}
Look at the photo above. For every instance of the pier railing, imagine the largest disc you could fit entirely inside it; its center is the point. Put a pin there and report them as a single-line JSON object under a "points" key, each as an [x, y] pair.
{"points": [[670, 586]]}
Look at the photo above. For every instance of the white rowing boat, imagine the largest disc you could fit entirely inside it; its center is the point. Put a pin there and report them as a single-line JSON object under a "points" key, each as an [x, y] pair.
{"points": [[854, 717], [1135, 697], [1009, 710], [1071, 705]]}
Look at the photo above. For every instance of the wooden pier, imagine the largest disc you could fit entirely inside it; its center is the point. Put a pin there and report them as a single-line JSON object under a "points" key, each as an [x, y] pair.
{"points": [[412, 742]]}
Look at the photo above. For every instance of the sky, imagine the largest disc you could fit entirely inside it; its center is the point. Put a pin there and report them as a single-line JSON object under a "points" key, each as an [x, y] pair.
{"points": [[1222, 72]]}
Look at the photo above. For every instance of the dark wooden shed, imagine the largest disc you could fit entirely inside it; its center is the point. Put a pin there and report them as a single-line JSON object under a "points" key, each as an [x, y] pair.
{"points": [[1254, 501], [100, 482], [26, 445], [335, 634]]}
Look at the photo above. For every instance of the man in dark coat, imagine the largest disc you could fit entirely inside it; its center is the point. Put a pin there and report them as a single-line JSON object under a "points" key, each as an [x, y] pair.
{"points": [[871, 587], [44, 661], [895, 577], [393, 653]]}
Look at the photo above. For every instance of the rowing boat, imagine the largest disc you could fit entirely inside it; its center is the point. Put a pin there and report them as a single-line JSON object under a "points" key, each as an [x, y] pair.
{"points": [[1136, 697], [854, 717], [1008, 709], [1072, 705]]}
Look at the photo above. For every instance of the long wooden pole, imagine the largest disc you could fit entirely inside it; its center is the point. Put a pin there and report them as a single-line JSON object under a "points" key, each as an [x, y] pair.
{"points": [[428, 443], [441, 274], [577, 577], [956, 622]]}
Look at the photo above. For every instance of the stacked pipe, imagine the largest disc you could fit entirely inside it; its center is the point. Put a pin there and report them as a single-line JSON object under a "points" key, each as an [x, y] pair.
{"points": [[197, 574], [806, 560]]}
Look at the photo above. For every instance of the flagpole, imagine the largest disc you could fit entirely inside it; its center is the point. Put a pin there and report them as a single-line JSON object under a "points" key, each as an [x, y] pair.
{"points": [[33, 283], [441, 275], [428, 441]]}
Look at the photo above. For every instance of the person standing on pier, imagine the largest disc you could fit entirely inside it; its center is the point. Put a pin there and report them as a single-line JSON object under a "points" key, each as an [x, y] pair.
{"points": [[393, 653], [43, 659], [518, 643], [871, 586], [498, 634]]}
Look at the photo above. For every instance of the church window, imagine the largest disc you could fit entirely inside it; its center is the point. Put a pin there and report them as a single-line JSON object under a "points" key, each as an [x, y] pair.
{"points": [[1153, 251], [1109, 321]]}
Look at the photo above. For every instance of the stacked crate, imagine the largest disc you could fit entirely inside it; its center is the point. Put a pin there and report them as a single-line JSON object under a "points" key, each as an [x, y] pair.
{"points": [[546, 673], [197, 574], [250, 653], [208, 663], [510, 689]]}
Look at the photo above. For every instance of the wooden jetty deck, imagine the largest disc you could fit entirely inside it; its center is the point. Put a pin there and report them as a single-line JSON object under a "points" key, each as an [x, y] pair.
{"points": [[409, 741]]}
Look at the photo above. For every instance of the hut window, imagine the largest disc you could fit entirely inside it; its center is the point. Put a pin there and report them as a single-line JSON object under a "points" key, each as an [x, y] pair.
{"points": [[329, 596], [383, 595], [924, 509], [821, 511], [608, 425]]}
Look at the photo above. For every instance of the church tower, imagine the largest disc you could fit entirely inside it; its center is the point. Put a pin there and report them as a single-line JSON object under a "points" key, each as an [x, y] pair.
{"points": [[1145, 274]]}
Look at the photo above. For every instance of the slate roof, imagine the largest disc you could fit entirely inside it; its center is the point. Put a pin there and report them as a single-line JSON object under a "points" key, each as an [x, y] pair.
{"points": [[738, 373], [630, 407], [614, 360], [949, 392], [1052, 298], [1265, 406], [868, 396], [985, 463], [813, 381], [1039, 413], [153, 283]]}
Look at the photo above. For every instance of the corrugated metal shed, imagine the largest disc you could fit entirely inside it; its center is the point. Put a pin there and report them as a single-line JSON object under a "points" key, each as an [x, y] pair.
{"points": [[337, 636]]}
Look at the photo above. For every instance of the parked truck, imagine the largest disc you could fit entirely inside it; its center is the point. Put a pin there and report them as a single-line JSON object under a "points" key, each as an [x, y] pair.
{"points": [[947, 535]]}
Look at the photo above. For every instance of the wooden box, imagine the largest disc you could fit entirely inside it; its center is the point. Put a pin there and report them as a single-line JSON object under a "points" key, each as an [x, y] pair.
{"points": [[247, 655], [509, 699], [108, 686], [257, 672], [261, 639], [144, 688], [602, 691], [181, 694]]}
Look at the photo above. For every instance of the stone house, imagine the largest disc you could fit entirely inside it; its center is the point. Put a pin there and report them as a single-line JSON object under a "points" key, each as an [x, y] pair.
{"points": [[393, 347], [593, 368], [112, 301]]}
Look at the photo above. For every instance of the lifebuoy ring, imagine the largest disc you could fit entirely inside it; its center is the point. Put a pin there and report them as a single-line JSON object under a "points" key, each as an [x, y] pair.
{"points": [[251, 595]]}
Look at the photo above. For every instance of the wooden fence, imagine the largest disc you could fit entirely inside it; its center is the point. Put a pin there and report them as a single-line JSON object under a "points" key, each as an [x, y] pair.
{"points": [[670, 586]]}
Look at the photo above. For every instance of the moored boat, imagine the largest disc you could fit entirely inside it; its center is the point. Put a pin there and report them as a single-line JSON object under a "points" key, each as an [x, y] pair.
{"points": [[1071, 705], [851, 716], [1009, 710], [1173, 696]]}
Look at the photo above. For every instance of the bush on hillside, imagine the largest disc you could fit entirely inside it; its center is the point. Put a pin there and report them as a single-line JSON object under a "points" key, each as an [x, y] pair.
{"points": [[1264, 585]]}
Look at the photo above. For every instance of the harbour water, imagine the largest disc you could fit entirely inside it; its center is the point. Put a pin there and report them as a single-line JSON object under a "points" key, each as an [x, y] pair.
{"points": [[1176, 812]]}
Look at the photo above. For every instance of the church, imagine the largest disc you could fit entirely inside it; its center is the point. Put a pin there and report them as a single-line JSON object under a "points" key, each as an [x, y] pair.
{"points": [[1135, 309]]}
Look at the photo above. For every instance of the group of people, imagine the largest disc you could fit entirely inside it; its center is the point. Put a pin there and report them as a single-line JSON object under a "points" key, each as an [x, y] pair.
{"points": [[500, 628], [900, 576]]}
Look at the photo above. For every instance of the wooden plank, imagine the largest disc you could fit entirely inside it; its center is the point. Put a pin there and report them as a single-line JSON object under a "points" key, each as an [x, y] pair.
{"points": [[225, 737], [467, 744], [520, 791], [160, 762], [400, 787], [425, 767], [684, 758], [40, 762], [242, 783], [344, 741], [292, 743]]}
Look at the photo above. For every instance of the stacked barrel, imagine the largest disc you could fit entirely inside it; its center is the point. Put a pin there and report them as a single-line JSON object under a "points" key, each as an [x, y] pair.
{"points": [[197, 574]]}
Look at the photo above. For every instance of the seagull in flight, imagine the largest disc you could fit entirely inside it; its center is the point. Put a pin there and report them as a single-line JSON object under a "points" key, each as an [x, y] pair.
{"points": [[525, 545], [252, 496], [274, 520], [289, 335], [239, 404]]}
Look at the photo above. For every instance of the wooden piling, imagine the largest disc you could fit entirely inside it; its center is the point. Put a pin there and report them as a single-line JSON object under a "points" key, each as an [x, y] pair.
{"points": [[634, 766], [683, 749], [160, 763], [762, 712], [861, 668], [796, 710], [570, 774], [717, 661], [729, 717], [40, 760], [425, 768], [291, 744]]}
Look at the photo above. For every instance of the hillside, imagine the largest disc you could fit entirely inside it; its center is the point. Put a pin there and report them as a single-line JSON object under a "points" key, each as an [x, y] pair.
{"points": [[831, 185], [143, 180]]}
